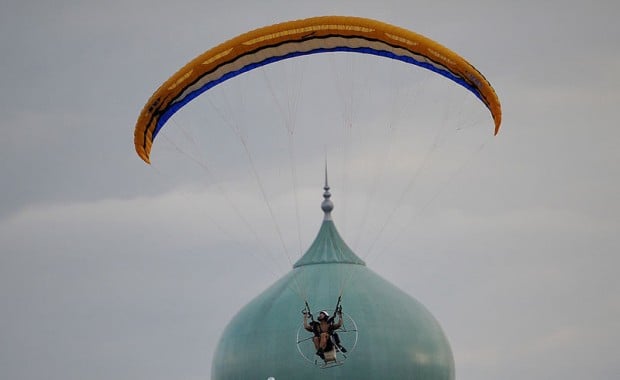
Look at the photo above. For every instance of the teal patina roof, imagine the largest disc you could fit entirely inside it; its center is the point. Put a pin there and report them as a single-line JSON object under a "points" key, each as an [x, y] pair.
{"points": [[397, 337], [328, 247]]}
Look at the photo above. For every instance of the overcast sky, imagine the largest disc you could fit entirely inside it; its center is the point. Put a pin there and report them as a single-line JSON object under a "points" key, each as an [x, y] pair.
{"points": [[113, 269]]}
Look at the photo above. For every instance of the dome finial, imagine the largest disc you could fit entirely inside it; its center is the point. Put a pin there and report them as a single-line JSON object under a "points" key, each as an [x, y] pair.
{"points": [[327, 206]]}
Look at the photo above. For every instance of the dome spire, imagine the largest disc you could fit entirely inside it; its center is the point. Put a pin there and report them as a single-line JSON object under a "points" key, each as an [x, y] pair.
{"points": [[327, 205], [328, 246]]}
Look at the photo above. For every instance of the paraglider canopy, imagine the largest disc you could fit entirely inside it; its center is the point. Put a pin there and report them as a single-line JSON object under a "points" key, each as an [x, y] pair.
{"points": [[302, 37]]}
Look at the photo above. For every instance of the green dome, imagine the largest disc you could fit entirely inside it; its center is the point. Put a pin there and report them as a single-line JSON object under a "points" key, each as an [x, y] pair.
{"points": [[397, 337]]}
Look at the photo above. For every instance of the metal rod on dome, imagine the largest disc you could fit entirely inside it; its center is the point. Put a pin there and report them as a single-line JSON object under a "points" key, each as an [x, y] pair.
{"points": [[326, 183], [327, 206]]}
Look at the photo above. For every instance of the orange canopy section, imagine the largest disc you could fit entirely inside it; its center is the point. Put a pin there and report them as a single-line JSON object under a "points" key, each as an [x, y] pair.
{"points": [[302, 37]]}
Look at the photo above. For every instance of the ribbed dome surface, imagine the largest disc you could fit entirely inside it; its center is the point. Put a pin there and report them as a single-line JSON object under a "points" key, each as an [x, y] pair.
{"points": [[398, 338]]}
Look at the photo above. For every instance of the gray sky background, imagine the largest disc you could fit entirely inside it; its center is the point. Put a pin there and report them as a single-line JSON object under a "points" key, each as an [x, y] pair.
{"points": [[110, 268]]}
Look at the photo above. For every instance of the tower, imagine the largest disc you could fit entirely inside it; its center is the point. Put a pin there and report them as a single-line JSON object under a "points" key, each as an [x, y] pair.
{"points": [[392, 336]]}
